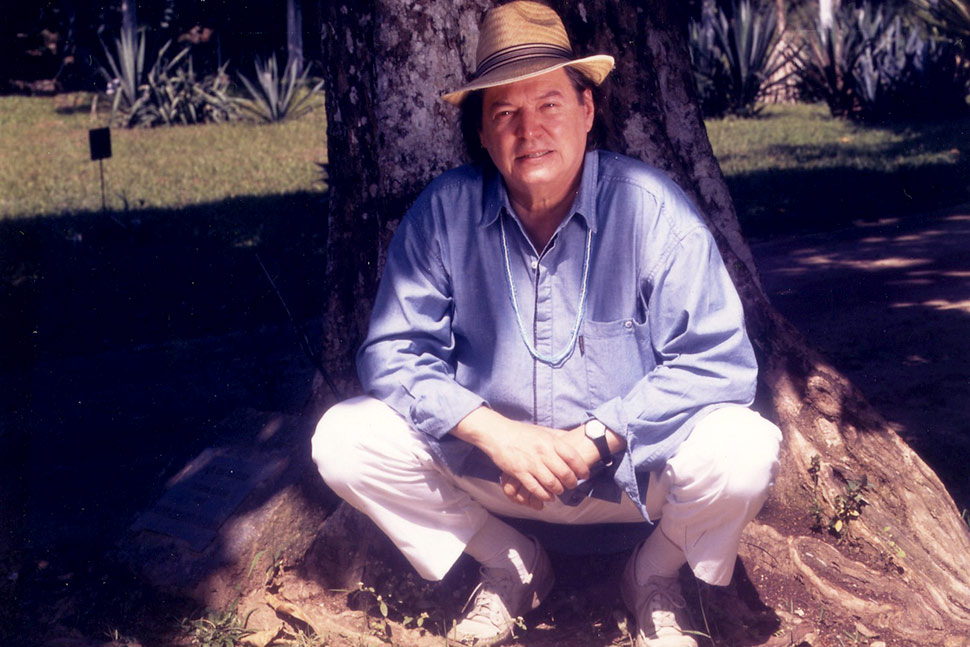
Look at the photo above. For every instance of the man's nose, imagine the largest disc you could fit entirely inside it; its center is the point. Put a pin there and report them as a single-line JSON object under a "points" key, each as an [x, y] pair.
{"points": [[528, 124]]}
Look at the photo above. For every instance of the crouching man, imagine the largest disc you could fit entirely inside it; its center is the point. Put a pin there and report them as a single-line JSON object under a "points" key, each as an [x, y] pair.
{"points": [[555, 337]]}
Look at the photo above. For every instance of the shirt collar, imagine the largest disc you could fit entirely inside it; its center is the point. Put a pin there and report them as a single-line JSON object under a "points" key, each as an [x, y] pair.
{"points": [[496, 196]]}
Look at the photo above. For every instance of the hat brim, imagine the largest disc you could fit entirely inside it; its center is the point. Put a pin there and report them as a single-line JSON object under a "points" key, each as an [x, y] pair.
{"points": [[595, 68]]}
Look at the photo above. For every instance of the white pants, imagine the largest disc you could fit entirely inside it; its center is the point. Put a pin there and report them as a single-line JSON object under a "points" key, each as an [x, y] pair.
{"points": [[704, 496]]}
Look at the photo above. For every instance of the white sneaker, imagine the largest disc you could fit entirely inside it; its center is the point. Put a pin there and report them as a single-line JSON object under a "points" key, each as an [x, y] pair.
{"points": [[490, 615], [659, 608]]}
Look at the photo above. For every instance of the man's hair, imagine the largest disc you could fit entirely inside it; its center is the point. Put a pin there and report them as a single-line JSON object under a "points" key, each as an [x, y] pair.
{"points": [[470, 116]]}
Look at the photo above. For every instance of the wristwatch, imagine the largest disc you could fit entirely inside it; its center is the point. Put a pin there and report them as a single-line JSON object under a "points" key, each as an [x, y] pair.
{"points": [[596, 431]]}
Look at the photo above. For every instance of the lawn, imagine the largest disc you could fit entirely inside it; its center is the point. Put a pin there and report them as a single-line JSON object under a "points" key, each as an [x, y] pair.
{"points": [[45, 165], [796, 169]]}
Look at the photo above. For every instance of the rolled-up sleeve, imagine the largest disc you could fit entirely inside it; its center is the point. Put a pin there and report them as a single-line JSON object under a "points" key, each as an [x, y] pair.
{"points": [[406, 360]]}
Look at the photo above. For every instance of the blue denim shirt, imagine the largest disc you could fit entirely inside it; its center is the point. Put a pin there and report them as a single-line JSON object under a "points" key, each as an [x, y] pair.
{"points": [[661, 343]]}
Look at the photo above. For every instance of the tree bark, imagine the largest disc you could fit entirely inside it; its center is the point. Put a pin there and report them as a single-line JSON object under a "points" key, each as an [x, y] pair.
{"points": [[891, 556], [129, 16], [294, 33]]}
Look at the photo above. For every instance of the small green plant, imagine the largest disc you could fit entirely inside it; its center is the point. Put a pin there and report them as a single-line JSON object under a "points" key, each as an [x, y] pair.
{"points": [[848, 506], [218, 628], [385, 606], [273, 569], [845, 508], [891, 542], [276, 96]]}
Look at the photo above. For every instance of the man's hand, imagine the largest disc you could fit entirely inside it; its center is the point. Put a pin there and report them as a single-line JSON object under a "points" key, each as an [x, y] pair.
{"points": [[578, 442], [537, 463]]}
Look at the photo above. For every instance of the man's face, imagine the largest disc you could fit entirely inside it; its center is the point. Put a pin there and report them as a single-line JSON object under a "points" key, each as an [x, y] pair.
{"points": [[535, 132]]}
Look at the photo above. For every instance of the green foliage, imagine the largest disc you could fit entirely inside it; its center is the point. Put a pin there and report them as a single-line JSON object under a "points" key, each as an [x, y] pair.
{"points": [[846, 507], [828, 56], [276, 97], [273, 569], [735, 57], [168, 93], [217, 629], [870, 65], [388, 603], [951, 17]]}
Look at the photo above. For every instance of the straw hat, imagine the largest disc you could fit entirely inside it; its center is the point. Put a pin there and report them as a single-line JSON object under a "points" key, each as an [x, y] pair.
{"points": [[523, 39]]}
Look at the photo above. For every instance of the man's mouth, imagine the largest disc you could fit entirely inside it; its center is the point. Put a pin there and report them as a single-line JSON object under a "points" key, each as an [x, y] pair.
{"points": [[534, 155]]}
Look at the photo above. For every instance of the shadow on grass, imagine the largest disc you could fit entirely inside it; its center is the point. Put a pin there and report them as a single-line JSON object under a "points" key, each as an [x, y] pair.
{"points": [[97, 281], [889, 305], [128, 337], [787, 201]]}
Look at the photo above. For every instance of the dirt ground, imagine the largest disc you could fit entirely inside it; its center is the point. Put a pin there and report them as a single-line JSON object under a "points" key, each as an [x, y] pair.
{"points": [[105, 423]]}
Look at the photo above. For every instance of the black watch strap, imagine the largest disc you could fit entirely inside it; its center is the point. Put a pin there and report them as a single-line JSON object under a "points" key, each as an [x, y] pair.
{"points": [[604, 450], [596, 431]]}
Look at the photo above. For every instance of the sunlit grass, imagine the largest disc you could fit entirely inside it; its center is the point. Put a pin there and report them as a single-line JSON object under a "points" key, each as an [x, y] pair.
{"points": [[45, 165]]}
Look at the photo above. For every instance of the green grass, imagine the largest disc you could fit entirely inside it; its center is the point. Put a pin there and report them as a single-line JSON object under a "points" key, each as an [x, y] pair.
{"points": [[795, 168], [45, 166]]}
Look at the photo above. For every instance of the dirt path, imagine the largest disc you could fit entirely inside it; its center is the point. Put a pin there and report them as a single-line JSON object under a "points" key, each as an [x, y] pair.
{"points": [[888, 303]]}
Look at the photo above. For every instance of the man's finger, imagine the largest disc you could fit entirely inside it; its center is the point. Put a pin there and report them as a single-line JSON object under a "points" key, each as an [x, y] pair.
{"points": [[577, 466], [534, 487], [514, 490]]}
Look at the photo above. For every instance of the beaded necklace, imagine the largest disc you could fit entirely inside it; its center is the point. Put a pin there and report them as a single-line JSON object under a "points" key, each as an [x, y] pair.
{"points": [[556, 359]]}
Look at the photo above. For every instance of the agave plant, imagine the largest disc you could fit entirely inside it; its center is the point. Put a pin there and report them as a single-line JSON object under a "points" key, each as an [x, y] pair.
{"points": [[274, 96], [167, 93], [736, 58], [827, 61], [951, 17], [127, 65]]}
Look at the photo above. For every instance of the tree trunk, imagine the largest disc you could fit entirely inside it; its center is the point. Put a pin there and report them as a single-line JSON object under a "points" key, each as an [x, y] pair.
{"points": [[129, 17], [294, 33], [859, 532]]}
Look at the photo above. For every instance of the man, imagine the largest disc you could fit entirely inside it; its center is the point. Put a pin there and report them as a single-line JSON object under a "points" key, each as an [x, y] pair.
{"points": [[555, 337]]}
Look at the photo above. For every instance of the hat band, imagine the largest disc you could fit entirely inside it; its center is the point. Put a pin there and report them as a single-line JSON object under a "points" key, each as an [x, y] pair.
{"points": [[526, 51]]}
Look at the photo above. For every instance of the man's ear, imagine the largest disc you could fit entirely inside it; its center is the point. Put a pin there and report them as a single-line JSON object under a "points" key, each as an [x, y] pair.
{"points": [[589, 109]]}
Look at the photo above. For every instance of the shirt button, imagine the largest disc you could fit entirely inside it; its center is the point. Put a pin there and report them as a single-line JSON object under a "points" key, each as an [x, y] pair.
{"points": [[628, 324], [535, 264]]}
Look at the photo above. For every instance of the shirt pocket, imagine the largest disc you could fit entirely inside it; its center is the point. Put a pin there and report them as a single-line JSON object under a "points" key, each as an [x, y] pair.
{"points": [[617, 354]]}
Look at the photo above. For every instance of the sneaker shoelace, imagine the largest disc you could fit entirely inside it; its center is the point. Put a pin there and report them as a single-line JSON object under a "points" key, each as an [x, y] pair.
{"points": [[492, 598], [661, 603]]}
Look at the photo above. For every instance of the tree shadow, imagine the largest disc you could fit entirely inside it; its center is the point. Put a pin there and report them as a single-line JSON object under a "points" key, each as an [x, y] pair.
{"points": [[888, 303], [811, 199], [128, 338]]}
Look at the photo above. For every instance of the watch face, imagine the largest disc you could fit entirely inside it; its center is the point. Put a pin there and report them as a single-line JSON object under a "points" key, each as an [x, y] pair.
{"points": [[595, 429]]}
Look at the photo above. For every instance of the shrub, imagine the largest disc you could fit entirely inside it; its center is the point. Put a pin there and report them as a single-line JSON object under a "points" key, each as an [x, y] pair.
{"points": [[168, 93], [826, 63], [274, 96], [907, 76], [736, 59], [868, 66], [951, 17]]}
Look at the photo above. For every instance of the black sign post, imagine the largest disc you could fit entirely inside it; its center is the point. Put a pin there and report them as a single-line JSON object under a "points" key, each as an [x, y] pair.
{"points": [[99, 140]]}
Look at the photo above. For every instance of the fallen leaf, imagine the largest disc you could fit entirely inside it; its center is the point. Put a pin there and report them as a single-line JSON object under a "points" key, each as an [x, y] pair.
{"points": [[288, 608], [262, 638]]}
